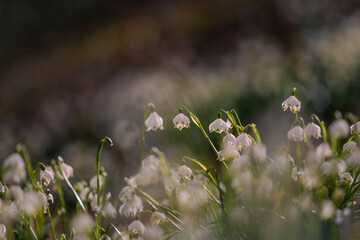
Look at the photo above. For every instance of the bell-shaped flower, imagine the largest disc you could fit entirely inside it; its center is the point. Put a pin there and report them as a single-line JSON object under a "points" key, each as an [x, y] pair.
{"points": [[47, 176], [312, 130], [229, 140], [339, 128], [355, 128], [2, 231], [219, 126], [14, 169], [184, 172], [151, 162], [292, 103], [243, 141], [136, 227], [93, 181], [154, 122], [82, 223], [170, 182], [181, 121], [131, 207], [108, 210], [126, 193], [68, 170], [351, 147], [323, 151], [157, 217], [228, 153], [346, 178], [296, 134]]}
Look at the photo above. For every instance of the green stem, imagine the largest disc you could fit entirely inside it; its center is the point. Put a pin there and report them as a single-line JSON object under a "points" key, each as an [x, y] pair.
{"points": [[197, 122], [52, 228], [61, 196], [22, 150], [99, 197]]}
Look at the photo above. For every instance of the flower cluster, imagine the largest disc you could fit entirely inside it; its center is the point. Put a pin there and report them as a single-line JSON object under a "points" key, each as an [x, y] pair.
{"points": [[250, 192]]}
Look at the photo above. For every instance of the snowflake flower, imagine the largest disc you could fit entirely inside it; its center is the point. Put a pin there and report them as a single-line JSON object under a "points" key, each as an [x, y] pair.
{"points": [[47, 175], [185, 172], [136, 227], [126, 193], [355, 128], [243, 141], [296, 134], [131, 207], [346, 178], [350, 147], [156, 218], [339, 128], [14, 169], [154, 122], [292, 103], [229, 140], [68, 170], [171, 182], [219, 126], [181, 121], [228, 153], [312, 130]]}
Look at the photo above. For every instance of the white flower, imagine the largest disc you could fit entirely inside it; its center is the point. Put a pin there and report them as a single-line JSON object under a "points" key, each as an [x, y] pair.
{"points": [[312, 130], [151, 162], [327, 209], [323, 151], [82, 223], [353, 160], [131, 207], [355, 128], [156, 218], [14, 169], [181, 121], [47, 176], [126, 193], [184, 172], [93, 181], [243, 141], [109, 210], [50, 197], [170, 183], [219, 126], [2, 188], [339, 128], [16, 193], [296, 134], [136, 227], [228, 153], [2, 232], [154, 122], [351, 147], [32, 202], [346, 178], [68, 170], [293, 103], [229, 140]]}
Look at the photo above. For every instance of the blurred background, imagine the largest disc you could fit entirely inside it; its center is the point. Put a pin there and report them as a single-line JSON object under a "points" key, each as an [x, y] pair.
{"points": [[73, 72]]}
